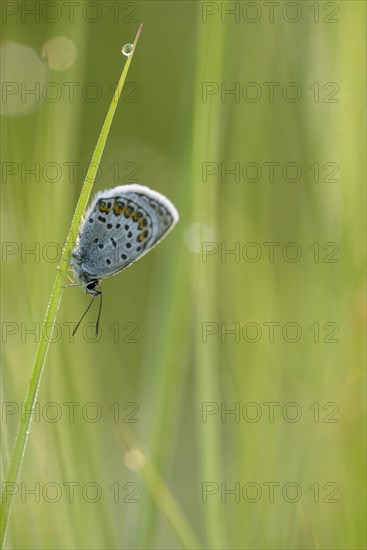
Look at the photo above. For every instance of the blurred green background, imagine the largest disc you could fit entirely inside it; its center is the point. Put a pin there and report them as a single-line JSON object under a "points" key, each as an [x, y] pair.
{"points": [[152, 452]]}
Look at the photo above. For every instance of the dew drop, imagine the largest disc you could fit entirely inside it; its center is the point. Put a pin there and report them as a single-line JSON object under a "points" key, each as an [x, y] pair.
{"points": [[127, 49]]}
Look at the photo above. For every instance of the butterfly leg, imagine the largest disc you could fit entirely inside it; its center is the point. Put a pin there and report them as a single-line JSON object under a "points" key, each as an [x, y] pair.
{"points": [[64, 260], [72, 281]]}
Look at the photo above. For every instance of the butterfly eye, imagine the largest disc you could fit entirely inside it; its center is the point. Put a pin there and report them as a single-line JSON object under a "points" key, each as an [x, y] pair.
{"points": [[91, 285]]}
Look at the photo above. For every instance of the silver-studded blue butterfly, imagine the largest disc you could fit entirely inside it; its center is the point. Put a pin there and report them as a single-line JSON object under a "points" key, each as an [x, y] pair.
{"points": [[120, 226]]}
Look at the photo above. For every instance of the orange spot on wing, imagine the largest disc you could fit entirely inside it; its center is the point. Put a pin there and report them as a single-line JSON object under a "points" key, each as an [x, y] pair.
{"points": [[117, 209], [103, 207]]}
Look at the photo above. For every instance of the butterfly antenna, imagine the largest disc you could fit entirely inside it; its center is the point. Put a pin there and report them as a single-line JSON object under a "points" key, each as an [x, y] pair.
{"points": [[84, 314], [99, 312]]}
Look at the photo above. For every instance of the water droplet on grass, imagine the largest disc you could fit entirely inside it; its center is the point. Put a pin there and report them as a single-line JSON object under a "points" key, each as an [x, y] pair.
{"points": [[127, 49]]}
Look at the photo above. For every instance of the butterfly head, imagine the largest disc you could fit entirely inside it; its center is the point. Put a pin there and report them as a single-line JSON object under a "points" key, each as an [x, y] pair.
{"points": [[92, 287]]}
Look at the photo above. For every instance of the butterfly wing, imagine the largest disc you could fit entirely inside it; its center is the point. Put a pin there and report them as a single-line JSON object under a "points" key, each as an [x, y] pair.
{"points": [[121, 225]]}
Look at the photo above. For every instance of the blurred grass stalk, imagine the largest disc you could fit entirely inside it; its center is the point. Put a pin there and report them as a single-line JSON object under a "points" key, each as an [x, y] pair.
{"points": [[16, 460], [206, 145], [167, 503], [158, 490], [206, 122]]}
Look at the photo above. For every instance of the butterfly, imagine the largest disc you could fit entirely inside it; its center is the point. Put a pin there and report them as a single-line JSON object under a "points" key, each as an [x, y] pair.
{"points": [[119, 227]]}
